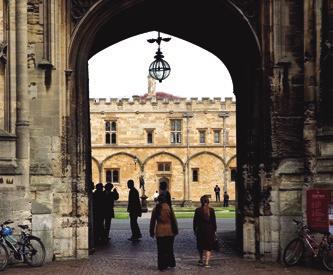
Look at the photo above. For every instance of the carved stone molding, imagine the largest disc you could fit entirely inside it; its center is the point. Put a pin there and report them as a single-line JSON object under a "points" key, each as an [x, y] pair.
{"points": [[3, 52], [79, 8], [250, 8], [265, 194]]}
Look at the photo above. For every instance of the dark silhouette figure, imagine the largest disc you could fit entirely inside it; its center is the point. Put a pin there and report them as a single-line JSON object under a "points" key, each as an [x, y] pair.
{"points": [[225, 199], [164, 191], [204, 226], [98, 211], [134, 210], [217, 193], [110, 198], [163, 225]]}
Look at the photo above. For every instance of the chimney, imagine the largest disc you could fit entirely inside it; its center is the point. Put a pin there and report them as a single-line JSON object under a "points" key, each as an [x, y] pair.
{"points": [[151, 86]]}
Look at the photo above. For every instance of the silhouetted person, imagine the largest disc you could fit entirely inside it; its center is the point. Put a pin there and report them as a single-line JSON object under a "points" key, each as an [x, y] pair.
{"points": [[98, 210], [225, 199], [164, 191], [204, 226], [217, 193], [163, 226], [155, 196], [134, 210], [110, 198]]}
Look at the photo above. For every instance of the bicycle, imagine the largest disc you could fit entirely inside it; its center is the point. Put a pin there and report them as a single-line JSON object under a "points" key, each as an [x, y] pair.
{"points": [[28, 248], [295, 249]]}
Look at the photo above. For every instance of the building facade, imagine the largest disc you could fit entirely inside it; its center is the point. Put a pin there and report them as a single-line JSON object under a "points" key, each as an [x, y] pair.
{"points": [[190, 144]]}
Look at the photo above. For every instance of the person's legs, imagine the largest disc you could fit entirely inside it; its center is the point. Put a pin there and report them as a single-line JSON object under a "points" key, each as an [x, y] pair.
{"points": [[162, 260], [218, 197], [207, 258], [107, 224], [135, 227], [171, 256], [200, 262]]}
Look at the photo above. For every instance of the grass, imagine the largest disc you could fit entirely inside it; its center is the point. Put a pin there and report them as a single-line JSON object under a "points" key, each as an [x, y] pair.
{"points": [[183, 212]]}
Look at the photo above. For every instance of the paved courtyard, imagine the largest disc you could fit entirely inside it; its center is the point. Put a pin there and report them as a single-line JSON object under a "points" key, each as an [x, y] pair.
{"points": [[123, 257]]}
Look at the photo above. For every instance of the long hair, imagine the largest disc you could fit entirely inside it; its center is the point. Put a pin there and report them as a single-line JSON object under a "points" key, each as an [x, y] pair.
{"points": [[204, 205]]}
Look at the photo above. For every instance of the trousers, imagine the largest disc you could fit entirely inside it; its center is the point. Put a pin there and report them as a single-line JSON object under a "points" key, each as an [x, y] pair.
{"points": [[165, 256]]}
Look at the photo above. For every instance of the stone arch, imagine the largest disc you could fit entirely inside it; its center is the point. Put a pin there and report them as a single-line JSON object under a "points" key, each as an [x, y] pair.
{"points": [[99, 167], [163, 153], [230, 160], [243, 63], [123, 153], [208, 153]]}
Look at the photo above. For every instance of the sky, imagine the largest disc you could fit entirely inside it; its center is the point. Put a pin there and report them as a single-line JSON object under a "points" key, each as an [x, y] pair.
{"points": [[121, 70]]}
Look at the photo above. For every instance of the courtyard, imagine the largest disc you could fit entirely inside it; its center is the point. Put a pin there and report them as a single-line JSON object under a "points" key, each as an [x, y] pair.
{"points": [[123, 257]]}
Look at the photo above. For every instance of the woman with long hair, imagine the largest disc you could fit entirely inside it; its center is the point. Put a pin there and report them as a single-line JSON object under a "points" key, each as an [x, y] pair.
{"points": [[163, 226], [204, 226]]}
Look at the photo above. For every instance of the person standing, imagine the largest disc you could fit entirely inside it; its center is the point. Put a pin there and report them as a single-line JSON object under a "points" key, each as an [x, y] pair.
{"points": [[134, 210], [110, 198], [225, 199], [98, 212], [217, 193], [204, 226], [155, 196], [164, 191], [163, 226]]}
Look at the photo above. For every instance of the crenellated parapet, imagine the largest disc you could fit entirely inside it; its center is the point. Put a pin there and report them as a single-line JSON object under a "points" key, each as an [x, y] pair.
{"points": [[154, 104]]}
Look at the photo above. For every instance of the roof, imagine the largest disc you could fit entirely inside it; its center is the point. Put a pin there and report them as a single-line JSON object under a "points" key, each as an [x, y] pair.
{"points": [[161, 95]]}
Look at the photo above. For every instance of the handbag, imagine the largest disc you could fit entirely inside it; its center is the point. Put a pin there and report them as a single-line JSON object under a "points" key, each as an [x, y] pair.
{"points": [[216, 245]]}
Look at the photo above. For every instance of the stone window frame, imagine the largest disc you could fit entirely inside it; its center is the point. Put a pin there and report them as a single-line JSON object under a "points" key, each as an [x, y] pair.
{"points": [[112, 176], [110, 132], [197, 175], [150, 131], [219, 131], [176, 135], [164, 163], [204, 132]]}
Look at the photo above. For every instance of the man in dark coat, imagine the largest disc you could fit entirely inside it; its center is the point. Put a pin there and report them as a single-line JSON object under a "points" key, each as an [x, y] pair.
{"points": [[225, 199], [134, 210], [110, 198], [98, 212]]}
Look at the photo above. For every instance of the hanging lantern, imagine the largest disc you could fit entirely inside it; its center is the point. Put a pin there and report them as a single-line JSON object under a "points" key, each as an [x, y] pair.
{"points": [[159, 69]]}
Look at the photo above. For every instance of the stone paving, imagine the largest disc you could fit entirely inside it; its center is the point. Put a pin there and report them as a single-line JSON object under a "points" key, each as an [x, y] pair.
{"points": [[123, 257]]}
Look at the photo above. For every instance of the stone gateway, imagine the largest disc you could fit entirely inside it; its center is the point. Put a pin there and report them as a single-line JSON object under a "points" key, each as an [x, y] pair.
{"points": [[279, 55]]}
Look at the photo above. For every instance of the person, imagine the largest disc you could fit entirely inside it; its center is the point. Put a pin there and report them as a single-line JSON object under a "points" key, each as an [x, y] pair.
{"points": [[98, 210], [110, 198], [204, 226], [155, 196], [217, 193], [134, 210], [164, 191], [225, 199], [163, 226]]}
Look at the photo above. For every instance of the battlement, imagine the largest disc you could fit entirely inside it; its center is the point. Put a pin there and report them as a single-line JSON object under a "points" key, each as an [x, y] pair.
{"points": [[138, 103]]}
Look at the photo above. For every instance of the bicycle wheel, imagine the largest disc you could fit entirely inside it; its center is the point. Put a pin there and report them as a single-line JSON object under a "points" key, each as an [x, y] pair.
{"points": [[293, 252], [327, 259], [34, 251], [3, 257]]}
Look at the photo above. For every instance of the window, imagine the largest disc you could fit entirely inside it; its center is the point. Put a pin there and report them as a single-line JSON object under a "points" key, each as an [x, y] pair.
{"points": [[110, 132], [150, 135], [217, 135], [164, 166], [202, 136], [195, 174], [233, 174], [176, 131], [112, 175]]}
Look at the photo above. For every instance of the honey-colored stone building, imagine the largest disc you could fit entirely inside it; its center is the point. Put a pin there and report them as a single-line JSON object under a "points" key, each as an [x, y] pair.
{"points": [[189, 143]]}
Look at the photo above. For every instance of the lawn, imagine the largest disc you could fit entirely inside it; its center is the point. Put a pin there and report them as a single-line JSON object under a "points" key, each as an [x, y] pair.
{"points": [[183, 212]]}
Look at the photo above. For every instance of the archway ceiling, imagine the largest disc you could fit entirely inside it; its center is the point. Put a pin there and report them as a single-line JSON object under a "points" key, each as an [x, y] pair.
{"points": [[215, 26]]}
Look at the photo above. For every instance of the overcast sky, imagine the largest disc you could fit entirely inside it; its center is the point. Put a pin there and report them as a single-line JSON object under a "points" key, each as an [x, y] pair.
{"points": [[122, 69]]}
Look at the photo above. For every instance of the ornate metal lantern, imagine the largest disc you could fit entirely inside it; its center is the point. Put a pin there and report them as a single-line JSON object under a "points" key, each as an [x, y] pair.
{"points": [[159, 69]]}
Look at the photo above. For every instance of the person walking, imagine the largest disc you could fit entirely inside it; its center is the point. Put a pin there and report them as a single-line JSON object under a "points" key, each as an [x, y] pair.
{"points": [[98, 212], [217, 193], [204, 226], [225, 199], [110, 197], [163, 226], [134, 210]]}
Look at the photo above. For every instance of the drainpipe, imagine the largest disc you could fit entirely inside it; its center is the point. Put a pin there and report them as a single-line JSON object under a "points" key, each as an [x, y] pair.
{"points": [[187, 115], [224, 116]]}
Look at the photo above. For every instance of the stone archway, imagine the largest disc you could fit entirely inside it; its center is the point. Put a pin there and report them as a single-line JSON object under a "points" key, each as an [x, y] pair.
{"points": [[107, 23]]}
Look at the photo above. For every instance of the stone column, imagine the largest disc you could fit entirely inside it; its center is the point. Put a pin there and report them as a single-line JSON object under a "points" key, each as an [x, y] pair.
{"points": [[22, 121]]}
